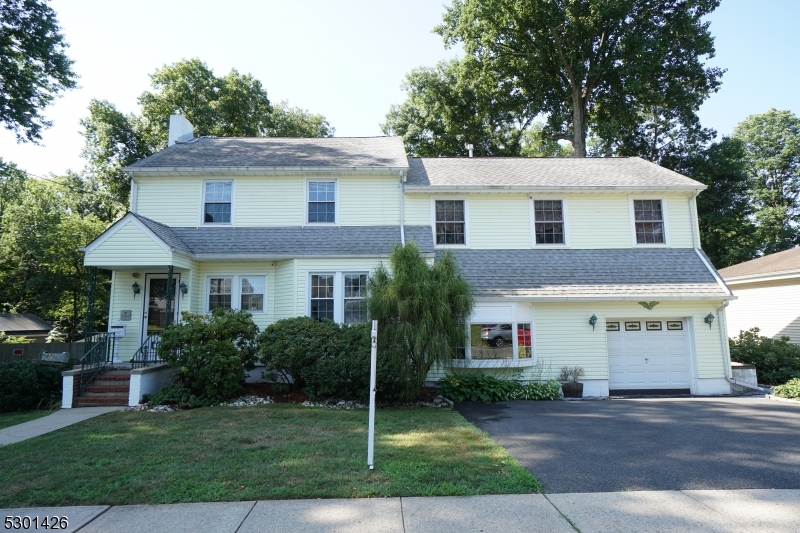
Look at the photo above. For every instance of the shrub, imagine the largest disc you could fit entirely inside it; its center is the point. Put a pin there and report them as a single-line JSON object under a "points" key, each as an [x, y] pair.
{"points": [[548, 390], [776, 360], [790, 389], [177, 395], [326, 360], [210, 354], [25, 385], [477, 387]]}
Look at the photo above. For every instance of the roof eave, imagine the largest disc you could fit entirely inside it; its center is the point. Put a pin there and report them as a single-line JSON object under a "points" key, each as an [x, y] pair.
{"points": [[422, 189], [634, 298], [763, 276], [261, 170]]}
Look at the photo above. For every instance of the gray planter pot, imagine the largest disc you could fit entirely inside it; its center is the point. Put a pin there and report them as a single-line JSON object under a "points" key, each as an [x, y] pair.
{"points": [[572, 390]]}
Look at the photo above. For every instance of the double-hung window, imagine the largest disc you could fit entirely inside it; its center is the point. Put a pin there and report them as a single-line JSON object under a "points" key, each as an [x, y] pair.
{"points": [[649, 221], [339, 296], [321, 202], [248, 293], [450, 222], [549, 221], [217, 200]]}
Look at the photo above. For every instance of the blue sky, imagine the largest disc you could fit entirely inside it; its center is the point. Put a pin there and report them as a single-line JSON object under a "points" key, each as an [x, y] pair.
{"points": [[346, 58]]}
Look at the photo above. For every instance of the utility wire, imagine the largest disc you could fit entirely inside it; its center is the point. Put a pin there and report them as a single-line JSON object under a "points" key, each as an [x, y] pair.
{"points": [[75, 189]]}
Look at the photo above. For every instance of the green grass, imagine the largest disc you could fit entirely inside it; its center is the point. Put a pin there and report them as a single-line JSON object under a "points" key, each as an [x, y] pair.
{"points": [[12, 419], [270, 452]]}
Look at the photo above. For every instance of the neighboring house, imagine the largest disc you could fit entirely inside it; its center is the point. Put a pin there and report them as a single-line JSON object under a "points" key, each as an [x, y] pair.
{"points": [[287, 227], [768, 291], [25, 325]]}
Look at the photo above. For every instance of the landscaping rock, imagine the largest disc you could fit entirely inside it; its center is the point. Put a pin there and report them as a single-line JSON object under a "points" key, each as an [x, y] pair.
{"points": [[247, 401]]}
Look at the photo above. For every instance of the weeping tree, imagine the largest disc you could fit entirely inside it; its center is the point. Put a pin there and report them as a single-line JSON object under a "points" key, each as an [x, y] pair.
{"points": [[421, 311]]}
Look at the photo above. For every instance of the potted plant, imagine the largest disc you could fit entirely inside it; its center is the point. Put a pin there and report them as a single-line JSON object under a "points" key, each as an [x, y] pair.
{"points": [[569, 381]]}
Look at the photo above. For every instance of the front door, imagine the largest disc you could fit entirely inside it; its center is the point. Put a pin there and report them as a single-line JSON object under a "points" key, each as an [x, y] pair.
{"points": [[155, 303]]}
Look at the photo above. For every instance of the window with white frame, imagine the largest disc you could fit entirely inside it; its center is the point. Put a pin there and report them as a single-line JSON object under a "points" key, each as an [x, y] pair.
{"points": [[245, 292], [450, 222], [500, 341], [355, 298], [321, 303], [339, 296], [649, 220], [217, 200], [549, 221], [321, 202]]}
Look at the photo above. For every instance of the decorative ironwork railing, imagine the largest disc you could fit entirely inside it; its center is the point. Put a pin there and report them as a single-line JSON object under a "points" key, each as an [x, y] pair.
{"points": [[98, 350], [147, 354]]}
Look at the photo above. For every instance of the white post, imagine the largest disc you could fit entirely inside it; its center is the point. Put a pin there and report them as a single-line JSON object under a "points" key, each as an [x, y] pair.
{"points": [[372, 372]]}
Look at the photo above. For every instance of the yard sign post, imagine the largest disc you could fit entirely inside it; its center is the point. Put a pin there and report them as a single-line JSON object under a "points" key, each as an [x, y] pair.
{"points": [[372, 366]]}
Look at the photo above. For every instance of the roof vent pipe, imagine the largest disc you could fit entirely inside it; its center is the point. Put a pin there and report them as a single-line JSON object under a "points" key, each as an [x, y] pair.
{"points": [[180, 130], [470, 148]]}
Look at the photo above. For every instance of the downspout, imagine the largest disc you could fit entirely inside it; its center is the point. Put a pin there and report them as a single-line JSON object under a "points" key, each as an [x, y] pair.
{"points": [[134, 193], [695, 222], [402, 215]]}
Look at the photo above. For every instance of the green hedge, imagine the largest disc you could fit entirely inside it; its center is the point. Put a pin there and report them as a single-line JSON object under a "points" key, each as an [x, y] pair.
{"points": [[790, 389], [776, 360], [327, 360], [479, 387], [25, 385]]}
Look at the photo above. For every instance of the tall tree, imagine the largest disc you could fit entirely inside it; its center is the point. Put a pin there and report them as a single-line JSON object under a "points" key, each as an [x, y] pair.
{"points": [[724, 209], [453, 104], [12, 183], [34, 67], [591, 63], [772, 149], [288, 121]]}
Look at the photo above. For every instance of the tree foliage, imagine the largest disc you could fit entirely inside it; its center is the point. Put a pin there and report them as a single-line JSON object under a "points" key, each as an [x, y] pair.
{"points": [[724, 209], [596, 64], [421, 310], [772, 153], [454, 104], [34, 67]]}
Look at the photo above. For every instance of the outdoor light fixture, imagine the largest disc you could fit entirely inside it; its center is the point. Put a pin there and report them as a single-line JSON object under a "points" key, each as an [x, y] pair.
{"points": [[593, 320], [136, 289], [709, 319], [184, 288]]}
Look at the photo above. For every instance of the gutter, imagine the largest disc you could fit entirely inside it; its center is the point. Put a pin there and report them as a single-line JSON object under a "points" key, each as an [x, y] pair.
{"points": [[640, 298], [771, 276], [134, 200], [402, 215], [293, 169], [523, 189]]}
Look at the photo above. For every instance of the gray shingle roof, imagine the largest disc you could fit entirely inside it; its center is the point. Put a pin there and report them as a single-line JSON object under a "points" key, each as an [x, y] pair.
{"points": [[784, 261], [279, 152], [543, 172], [289, 241], [24, 323], [645, 273]]}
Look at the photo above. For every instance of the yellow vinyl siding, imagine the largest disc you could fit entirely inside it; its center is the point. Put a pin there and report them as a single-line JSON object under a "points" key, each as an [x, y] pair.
{"points": [[499, 221], [417, 210], [255, 268], [171, 201], [284, 299], [369, 201], [772, 306], [599, 221], [269, 201], [679, 221], [128, 246]]}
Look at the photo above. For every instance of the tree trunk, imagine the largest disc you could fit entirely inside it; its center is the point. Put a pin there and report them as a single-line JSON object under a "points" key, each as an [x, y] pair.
{"points": [[578, 124]]}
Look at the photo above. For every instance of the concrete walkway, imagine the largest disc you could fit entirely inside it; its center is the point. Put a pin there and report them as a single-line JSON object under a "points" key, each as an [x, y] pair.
{"points": [[706, 511], [46, 424]]}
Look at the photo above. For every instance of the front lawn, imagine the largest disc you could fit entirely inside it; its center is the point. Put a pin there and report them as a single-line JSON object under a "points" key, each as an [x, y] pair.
{"points": [[12, 419], [268, 452]]}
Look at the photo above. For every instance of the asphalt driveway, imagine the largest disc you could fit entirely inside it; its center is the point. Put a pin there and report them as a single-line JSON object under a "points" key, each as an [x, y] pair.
{"points": [[648, 444]]}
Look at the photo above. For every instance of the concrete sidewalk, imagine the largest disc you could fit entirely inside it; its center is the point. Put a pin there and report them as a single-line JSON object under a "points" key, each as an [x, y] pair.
{"points": [[46, 424], [706, 511]]}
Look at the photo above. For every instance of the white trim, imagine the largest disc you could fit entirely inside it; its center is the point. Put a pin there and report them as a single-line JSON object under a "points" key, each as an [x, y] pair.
{"points": [[265, 171], [338, 290], [758, 278], [515, 320], [545, 299], [663, 201], [118, 225], [236, 290], [532, 209], [546, 189], [713, 273], [306, 182], [308, 289], [464, 199], [202, 221]]}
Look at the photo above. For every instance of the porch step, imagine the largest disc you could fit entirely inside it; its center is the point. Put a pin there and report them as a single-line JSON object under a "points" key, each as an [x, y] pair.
{"points": [[96, 387], [87, 400]]}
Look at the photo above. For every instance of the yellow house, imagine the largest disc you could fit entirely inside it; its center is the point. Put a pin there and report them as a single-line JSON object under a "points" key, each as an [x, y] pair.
{"points": [[574, 262]]}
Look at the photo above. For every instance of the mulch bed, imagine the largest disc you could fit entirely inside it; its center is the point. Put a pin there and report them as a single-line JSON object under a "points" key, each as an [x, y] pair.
{"points": [[427, 394]]}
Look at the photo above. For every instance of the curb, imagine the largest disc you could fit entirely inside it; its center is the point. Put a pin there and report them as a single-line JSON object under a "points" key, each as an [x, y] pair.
{"points": [[779, 399]]}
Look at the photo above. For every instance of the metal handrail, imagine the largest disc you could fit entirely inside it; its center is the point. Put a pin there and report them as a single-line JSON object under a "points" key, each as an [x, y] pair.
{"points": [[99, 349], [147, 354]]}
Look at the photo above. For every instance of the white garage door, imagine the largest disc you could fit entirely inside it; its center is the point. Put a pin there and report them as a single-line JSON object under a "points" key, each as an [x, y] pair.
{"points": [[650, 355]]}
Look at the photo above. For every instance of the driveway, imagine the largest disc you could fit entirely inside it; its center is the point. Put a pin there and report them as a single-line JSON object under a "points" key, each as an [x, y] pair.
{"points": [[648, 444]]}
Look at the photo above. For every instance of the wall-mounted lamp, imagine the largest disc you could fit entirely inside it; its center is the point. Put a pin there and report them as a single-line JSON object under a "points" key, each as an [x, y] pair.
{"points": [[136, 289], [184, 288], [593, 320], [709, 318]]}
